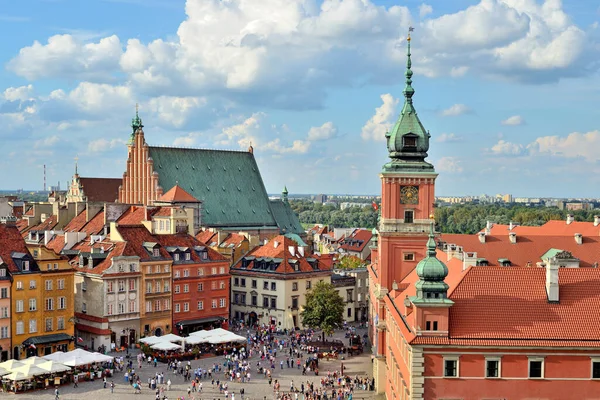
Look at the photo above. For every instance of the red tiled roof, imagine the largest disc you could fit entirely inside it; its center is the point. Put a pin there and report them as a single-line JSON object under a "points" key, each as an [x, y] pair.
{"points": [[11, 241], [282, 251], [185, 240], [560, 228], [135, 236], [445, 341], [177, 195], [114, 249], [136, 214], [95, 225], [527, 249], [29, 212], [207, 237], [46, 225], [57, 243], [92, 329], [77, 223], [357, 241], [233, 238], [163, 212], [22, 225], [101, 189], [511, 303], [89, 317]]}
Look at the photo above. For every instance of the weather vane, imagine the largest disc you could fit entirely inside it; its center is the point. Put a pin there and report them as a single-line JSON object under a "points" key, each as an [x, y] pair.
{"points": [[410, 29]]}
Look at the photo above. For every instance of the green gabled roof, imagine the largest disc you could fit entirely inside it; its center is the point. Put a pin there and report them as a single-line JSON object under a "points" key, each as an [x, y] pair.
{"points": [[286, 218], [551, 253], [227, 182]]}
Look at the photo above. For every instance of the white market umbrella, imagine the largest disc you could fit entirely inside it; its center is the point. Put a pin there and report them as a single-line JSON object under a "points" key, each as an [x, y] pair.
{"points": [[56, 356], [195, 340], [10, 365], [102, 358], [166, 346], [203, 334], [77, 357], [170, 338], [16, 376], [30, 371], [53, 367], [35, 360], [150, 340]]}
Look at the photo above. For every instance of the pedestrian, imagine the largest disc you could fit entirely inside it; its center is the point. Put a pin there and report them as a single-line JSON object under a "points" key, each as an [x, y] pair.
{"points": [[169, 384], [56, 393], [75, 381], [104, 381], [112, 386]]}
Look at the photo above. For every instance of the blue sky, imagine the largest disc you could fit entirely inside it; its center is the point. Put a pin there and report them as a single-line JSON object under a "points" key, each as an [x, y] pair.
{"points": [[509, 89]]}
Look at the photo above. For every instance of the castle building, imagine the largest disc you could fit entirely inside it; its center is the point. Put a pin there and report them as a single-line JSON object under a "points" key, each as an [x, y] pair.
{"points": [[506, 313]]}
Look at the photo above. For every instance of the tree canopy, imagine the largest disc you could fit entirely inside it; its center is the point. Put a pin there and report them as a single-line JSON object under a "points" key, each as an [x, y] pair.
{"points": [[350, 262], [324, 308]]}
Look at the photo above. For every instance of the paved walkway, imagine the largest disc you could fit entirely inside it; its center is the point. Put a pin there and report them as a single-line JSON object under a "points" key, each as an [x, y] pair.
{"points": [[257, 389]]}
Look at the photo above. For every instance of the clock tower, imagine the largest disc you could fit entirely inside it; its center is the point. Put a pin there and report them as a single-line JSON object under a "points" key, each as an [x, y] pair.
{"points": [[407, 193]]}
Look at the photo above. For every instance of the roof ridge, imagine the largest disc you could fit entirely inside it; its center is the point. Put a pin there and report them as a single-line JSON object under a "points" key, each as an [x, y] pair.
{"points": [[198, 148]]}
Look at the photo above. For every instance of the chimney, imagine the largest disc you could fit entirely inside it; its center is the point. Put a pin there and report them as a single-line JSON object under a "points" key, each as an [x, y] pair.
{"points": [[513, 237], [552, 288], [482, 237], [292, 250], [596, 220], [570, 219], [511, 226], [578, 238], [220, 237], [275, 244], [488, 225]]}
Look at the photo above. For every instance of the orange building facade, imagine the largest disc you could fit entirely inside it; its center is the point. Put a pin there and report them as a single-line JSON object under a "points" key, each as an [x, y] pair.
{"points": [[455, 323]]}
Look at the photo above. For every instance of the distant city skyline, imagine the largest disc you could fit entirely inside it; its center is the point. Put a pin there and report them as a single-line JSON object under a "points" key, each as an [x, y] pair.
{"points": [[510, 109]]}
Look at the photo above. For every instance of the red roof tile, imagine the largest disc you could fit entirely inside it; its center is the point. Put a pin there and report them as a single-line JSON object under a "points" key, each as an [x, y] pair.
{"points": [[95, 225], [527, 249], [101, 189], [29, 212], [57, 243], [207, 237], [46, 225], [185, 240], [511, 303], [136, 214], [357, 241], [177, 195], [77, 223], [11, 241], [92, 329], [135, 236], [234, 239]]}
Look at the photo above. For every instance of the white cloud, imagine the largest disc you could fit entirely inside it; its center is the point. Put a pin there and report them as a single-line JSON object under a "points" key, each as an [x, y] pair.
{"points": [[380, 122], [66, 56], [514, 121], [457, 72], [175, 110], [298, 146], [507, 148], [424, 10], [450, 165], [20, 93], [454, 110], [188, 140], [103, 145], [46, 142], [449, 137], [323, 132], [574, 145]]}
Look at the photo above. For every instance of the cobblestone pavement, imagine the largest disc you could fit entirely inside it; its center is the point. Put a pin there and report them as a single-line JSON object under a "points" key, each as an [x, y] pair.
{"points": [[257, 389]]}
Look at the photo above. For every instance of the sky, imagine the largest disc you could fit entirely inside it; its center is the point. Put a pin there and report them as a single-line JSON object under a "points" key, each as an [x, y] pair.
{"points": [[509, 89]]}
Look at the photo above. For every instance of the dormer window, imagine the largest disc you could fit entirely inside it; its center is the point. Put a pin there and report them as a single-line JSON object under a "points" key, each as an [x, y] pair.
{"points": [[188, 256], [176, 256], [155, 252], [204, 254], [409, 141], [25, 265]]}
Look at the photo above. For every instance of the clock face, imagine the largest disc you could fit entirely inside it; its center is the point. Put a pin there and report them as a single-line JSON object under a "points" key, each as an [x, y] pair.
{"points": [[409, 195]]}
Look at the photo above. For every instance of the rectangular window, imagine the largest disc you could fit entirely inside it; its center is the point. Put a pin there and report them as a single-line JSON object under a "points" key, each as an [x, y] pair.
{"points": [[48, 324], [222, 302], [48, 285], [32, 305], [109, 286], [4, 312], [349, 312], [308, 284], [266, 285], [155, 252], [200, 305], [177, 289], [222, 284], [61, 284], [222, 270], [167, 269], [265, 302], [121, 308], [157, 269], [435, 325], [294, 286], [176, 257], [19, 285], [187, 256], [409, 256], [49, 304], [186, 288], [31, 284], [32, 325], [166, 286], [167, 304], [595, 369], [243, 282], [109, 309], [214, 303], [176, 274], [121, 286], [157, 305], [294, 302], [4, 293], [131, 305], [273, 302], [186, 307], [186, 273], [19, 306], [149, 269], [213, 285], [4, 332], [148, 287], [427, 325], [409, 216], [536, 368], [60, 323], [131, 284], [200, 287], [200, 271], [177, 307], [26, 268], [236, 298], [213, 270], [492, 368], [254, 283], [254, 300], [273, 286], [20, 328], [157, 287], [236, 281], [450, 367]]}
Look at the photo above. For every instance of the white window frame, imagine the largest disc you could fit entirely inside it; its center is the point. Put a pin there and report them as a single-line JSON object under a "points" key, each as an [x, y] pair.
{"points": [[536, 358], [493, 358], [592, 361], [451, 358], [177, 308]]}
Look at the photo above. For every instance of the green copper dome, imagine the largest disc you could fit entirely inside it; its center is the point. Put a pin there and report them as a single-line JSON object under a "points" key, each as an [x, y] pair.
{"points": [[431, 272], [408, 142]]}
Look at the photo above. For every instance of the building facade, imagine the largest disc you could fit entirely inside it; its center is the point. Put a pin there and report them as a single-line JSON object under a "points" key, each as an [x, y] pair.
{"points": [[269, 284]]}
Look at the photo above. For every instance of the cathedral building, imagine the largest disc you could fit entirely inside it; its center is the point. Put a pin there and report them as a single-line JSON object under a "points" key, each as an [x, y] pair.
{"points": [[504, 314]]}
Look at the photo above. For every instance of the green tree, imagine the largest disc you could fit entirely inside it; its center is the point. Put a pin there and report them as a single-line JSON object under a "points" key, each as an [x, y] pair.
{"points": [[324, 308], [350, 262]]}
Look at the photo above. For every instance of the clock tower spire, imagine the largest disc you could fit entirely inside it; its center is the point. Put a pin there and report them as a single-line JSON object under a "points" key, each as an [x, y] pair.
{"points": [[407, 191]]}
